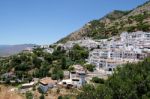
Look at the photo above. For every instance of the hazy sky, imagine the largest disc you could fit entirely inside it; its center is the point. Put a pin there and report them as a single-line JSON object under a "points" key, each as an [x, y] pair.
{"points": [[46, 21]]}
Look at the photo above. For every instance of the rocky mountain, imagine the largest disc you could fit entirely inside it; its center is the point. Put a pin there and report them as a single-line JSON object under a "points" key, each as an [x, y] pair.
{"points": [[6, 50], [114, 23]]}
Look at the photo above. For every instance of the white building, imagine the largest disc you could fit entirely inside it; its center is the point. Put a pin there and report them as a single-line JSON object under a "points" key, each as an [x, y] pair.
{"points": [[77, 77], [86, 42], [129, 47], [49, 50]]}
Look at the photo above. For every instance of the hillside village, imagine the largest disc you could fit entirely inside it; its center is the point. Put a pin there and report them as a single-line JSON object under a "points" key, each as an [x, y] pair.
{"points": [[104, 54], [66, 67], [108, 53]]}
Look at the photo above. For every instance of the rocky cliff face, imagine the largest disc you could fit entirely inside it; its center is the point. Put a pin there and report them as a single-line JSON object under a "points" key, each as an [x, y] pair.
{"points": [[114, 23]]}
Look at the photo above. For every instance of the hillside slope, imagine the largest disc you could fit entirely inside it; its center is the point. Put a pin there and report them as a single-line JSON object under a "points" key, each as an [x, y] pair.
{"points": [[114, 23]]}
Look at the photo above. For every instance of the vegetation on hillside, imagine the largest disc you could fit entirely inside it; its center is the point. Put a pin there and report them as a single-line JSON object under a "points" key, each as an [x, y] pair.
{"points": [[132, 81], [41, 64], [114, 23]]}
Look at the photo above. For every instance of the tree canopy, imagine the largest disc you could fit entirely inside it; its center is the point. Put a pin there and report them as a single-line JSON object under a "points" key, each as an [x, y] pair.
{"points": [[132, 81]]}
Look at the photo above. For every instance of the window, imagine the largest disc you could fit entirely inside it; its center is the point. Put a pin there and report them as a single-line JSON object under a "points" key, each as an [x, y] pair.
{"points": [[110, 69]]}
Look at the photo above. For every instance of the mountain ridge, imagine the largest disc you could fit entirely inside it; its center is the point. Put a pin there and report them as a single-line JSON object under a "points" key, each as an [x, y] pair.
{"points": [[7, 50], [114, 23]]}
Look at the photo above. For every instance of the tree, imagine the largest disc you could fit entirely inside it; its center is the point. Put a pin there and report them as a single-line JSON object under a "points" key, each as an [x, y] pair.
{"points": [[48, 57], [38, 51], [87, 92], [131, 28], [90, 67], [63, 63], [143, 27], [43, 71], [139, 18], [71, 68], [57, 73], [78, 53], [37, 62], [131, 81]]}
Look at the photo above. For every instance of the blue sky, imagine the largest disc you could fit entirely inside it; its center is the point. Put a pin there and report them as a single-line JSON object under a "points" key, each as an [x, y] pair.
{"points": [[46, 21]]}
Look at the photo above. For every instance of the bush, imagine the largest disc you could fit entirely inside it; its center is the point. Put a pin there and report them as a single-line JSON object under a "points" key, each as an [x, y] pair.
{"points": [[131, 28], [132, 81], [143, 27], [60, 97], [78, 53], [40, 90], [34, 88], [42, 97], [90, 67], [97, 80], [71, 68], [57, 74], [64, 97], [29, 95]]}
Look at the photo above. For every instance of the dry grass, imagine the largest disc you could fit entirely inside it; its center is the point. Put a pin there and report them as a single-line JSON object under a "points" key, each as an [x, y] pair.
{"points": [[53, 94], [6, 93]]}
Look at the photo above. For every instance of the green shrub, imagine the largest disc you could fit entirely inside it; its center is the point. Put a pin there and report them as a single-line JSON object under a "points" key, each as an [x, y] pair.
{"points": [[97, 80], [29, 95]]}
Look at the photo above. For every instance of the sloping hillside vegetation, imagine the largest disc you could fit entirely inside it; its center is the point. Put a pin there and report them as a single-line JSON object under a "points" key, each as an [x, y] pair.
{"points": [[132, 81], [114, 23], [28, 65]]}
